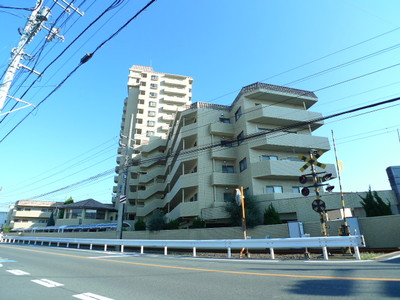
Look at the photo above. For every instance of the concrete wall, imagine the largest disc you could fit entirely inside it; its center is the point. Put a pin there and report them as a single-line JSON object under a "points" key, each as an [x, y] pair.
{"points": [[379, 232]]}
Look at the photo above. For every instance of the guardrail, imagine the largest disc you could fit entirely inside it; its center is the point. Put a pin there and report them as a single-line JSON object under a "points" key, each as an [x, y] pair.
{"points": [[354, 241]]}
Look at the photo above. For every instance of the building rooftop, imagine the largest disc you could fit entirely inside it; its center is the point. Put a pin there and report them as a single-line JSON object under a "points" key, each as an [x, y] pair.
{"points": [[89, 204]]}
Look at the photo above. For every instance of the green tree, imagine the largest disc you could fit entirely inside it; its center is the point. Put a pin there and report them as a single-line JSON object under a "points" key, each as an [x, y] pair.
{"points": [[61, 211], [271, 216], [157, 221], [198, 223], [50, 221], [140, 225], [173, 224], [253, 215], [374, 205]]}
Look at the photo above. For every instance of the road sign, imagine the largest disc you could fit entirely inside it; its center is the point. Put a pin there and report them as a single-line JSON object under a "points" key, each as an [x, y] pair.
{"points": [[318, 205]]}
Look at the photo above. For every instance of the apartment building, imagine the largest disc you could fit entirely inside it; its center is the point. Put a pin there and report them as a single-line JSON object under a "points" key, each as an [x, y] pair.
{"points": [[210, 149], [29, 213]]}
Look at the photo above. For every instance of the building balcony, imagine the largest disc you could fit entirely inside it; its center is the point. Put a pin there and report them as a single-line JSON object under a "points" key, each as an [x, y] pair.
{"points": [[167, 118], [282, 116], [150, 191], [170, 108], [184, 181], [227, 153], [149, 206], [175, 82], [184, 209], [224, 179], [154, 145], [32, 214], [283, 169], [289, 142], [222, 129], [175, 91], [175, 100]]}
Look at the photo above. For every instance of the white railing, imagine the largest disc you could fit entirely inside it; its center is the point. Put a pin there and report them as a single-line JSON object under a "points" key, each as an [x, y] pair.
{"points": [[354, 241]]}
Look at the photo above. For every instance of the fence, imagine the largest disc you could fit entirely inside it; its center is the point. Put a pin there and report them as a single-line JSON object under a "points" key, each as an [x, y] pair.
{"points": [[354, 241]]}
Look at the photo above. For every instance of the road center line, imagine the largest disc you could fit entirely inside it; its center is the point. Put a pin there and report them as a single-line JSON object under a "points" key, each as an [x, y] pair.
{"points": [[214, 271]]}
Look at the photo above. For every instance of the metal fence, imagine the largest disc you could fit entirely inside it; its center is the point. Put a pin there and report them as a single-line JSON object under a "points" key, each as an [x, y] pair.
{"points": [[354, 241]]}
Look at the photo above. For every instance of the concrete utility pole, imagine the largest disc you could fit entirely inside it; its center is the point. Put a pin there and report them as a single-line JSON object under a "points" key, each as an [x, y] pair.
{"points": [[32, 27], [123, 190], [34, 24]]}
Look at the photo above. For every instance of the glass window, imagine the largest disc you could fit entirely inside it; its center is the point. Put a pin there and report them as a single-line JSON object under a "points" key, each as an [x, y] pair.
{"points": [[243, 164], [90, 214], [296, 189], [225, 120], [151, 113], [240, 138], [149, 133], [238, 114], [153, 85], [143, 83], [144, 75], [269, 157], [139, 121], [228, 169], [142, 93], [76, 213], [153, 95], [154, 77], [152, 104], [273, 189], [151, 123], [227, 197]]}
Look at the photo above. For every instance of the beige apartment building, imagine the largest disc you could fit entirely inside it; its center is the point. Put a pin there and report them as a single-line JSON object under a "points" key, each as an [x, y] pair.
{"points": [[29, 213], [191, 169]]}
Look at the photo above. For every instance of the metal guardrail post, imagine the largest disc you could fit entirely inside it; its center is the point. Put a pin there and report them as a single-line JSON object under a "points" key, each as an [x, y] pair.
{"points": [[271, 251]]}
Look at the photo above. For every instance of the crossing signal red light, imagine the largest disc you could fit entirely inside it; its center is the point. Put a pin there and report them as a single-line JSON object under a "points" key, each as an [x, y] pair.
{"points": [[330, 188], [305, 191], [303, 179], [327, 177]]}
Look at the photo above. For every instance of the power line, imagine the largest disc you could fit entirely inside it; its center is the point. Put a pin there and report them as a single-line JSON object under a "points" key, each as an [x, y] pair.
{"points": [[85, 59]]}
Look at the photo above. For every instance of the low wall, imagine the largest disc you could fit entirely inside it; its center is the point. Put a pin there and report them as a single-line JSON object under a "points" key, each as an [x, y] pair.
{"points": [[379, 232]]}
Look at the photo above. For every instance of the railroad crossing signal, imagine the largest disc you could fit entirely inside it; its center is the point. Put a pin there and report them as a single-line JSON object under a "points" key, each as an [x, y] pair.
{"points": [[318, 205], [310, 161]]}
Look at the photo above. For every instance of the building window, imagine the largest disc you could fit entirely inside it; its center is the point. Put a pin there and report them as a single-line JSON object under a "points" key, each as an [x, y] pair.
{"points": [[151, 123], [225, 120], [141, 101], [240, 138], [140, 111], [152, 104], [139, 121], [227, 197], [228, 169], [76, 213], [243, 164], [137, 142], [138, 131], [149, 133], [154, 77], [143, 83], [273, 190], [144, 75], [238, 114], [296, 189], [269, 157], [193, 198], [151, 113], [153, 95], [153, 85], [142, 93]]}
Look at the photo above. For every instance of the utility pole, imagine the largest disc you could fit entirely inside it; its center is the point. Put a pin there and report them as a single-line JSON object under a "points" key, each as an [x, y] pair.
{"points": [[123, 190], [32, 27], [39, 15]]}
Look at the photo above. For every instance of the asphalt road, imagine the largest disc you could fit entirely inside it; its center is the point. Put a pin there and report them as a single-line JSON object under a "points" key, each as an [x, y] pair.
{"points": [[36, 272]]}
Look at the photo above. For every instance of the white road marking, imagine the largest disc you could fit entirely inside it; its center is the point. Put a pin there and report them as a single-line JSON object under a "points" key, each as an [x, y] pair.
{"points": [[18, 272], [91, 296], [47, 283]]}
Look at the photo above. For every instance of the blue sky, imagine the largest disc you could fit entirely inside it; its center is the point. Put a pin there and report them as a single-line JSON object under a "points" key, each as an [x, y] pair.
{"points": [[223, 45]]}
